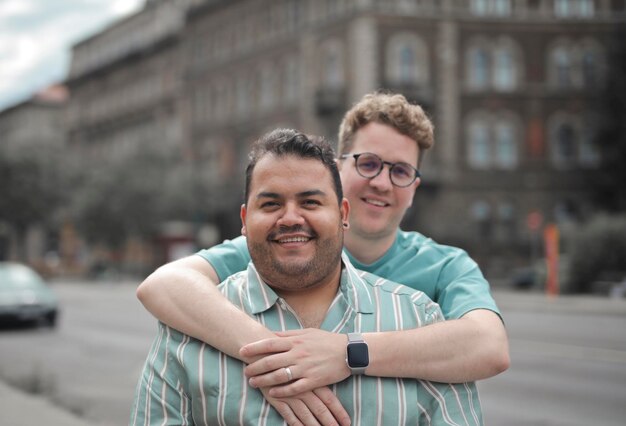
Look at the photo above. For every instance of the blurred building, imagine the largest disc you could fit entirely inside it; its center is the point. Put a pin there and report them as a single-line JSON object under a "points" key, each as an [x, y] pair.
{"points": [[511, 85], [34, 130]]}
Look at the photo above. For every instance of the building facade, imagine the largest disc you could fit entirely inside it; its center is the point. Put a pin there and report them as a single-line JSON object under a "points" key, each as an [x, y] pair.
{"points": [[511, 86], [32, 136]]}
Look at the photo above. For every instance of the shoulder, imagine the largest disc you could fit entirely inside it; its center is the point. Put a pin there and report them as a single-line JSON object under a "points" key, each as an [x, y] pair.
{"points": [[415, 244]]}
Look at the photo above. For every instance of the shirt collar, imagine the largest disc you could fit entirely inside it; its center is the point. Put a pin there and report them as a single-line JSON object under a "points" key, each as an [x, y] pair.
{"points": [[353, 287]]}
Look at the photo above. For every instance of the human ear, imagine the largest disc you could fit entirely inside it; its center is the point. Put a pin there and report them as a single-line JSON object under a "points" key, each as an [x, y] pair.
{"points": [[345, 210], [242, 214]]}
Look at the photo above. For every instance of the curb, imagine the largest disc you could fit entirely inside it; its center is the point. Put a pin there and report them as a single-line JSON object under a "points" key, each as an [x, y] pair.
{"points": [[22, 409]]}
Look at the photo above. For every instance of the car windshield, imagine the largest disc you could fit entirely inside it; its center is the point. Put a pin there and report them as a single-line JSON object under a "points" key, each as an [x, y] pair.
{"points": [[18, 276]]}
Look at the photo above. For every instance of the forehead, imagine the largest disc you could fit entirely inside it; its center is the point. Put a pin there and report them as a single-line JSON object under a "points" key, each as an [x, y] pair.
{"points": [[289, 175], [386, 142]]}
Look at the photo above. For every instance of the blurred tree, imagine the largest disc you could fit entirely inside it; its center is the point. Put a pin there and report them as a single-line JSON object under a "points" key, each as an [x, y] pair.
{"points": [[131, 198], [31, 184], [610, 186]]}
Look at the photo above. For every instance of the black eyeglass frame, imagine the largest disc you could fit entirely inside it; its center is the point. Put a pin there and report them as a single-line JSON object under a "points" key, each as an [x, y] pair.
{"points": [[382, 166]]}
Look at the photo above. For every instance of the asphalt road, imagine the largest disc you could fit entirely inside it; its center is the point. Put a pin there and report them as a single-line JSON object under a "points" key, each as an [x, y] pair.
{"points": [[568, 358]]}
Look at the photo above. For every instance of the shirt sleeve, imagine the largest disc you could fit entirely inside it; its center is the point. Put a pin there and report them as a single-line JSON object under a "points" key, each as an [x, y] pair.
{"points": [[161, 396], [227, 258], [463, 288]]}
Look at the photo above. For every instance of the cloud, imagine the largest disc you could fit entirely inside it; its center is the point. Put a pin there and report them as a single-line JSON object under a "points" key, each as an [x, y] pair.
{"points": [[36, 38]]}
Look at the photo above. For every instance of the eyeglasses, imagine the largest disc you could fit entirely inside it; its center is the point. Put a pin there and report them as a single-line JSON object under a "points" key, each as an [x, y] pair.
{"points": [[370, 165]]}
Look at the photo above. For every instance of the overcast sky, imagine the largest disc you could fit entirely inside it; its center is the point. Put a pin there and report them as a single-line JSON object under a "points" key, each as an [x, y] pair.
{"points": [[36, 38]]}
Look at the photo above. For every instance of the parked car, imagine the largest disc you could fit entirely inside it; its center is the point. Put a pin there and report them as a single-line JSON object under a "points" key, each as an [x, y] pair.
{"points": [[25, 297]]}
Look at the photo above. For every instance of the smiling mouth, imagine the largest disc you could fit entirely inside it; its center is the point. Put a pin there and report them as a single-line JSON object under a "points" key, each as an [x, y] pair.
{"points": [[377, 203], [287, 240]]}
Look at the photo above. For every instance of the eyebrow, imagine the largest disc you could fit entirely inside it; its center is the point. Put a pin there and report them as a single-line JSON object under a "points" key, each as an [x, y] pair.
{"points": [[303, 194]]}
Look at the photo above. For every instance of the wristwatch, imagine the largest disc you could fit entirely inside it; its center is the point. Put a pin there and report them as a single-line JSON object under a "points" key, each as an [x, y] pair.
{"points": [[357, 353]]}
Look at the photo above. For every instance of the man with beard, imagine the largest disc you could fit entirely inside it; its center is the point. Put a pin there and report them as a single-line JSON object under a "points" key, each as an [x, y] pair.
{"points": [[294, 219]]}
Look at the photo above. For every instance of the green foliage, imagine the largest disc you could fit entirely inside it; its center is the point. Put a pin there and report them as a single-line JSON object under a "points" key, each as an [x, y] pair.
{"points": [[131, 197], [31, 184], [597, 252]]}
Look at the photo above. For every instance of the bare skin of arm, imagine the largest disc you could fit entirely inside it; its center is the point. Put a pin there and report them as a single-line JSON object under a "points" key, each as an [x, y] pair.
{"points": [[471, 348], [183, 294]]}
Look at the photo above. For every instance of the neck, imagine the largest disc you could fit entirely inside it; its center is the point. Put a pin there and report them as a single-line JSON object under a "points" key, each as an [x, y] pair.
{"points": [[311, 304], [368, 249]]}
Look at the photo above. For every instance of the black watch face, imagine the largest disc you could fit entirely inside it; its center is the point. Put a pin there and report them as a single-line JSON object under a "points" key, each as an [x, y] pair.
{"points": [[358, 356]]}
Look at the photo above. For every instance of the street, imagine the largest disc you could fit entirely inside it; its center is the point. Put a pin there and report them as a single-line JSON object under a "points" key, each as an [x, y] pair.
{"points": [[568, 358]]}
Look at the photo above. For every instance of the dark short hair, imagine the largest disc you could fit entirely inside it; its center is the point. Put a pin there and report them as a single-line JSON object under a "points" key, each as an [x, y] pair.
{"points": [[283, 142]]}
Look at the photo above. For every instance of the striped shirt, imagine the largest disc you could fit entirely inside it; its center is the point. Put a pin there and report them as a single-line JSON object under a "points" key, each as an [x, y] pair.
{"points": [[186, 381]]}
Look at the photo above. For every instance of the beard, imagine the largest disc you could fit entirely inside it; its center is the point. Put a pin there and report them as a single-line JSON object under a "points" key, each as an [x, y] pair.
{"points": [[297, 273]]}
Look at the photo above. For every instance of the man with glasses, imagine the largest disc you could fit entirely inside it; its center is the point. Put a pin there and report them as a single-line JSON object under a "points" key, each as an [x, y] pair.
{"points": [[382, 131]]}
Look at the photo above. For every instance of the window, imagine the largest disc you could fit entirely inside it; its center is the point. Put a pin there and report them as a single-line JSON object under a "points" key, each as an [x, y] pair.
{"points": [[479, 155], [504, 68], [407, 60], [493, 65], [589, 153], [492, 141], [478, 68], [332, 76], [592, 63], [563, 144], [561, 67], [574, 8], [491, 7], [506, 147]]}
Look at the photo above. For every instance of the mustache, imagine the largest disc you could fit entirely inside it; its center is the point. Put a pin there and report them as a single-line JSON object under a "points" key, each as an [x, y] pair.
{"points": [[286, 230]]}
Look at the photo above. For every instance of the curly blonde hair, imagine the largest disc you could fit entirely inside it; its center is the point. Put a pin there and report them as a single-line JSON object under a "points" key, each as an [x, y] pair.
{"points": [[392, 110]]}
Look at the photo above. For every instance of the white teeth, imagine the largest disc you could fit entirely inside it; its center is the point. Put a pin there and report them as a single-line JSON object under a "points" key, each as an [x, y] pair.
{"points": [[375, 202], [293, 240]]}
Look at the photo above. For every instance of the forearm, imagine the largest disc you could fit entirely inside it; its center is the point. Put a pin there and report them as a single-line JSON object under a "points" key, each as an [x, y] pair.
{"points": [[472, 348], [184, 297]]}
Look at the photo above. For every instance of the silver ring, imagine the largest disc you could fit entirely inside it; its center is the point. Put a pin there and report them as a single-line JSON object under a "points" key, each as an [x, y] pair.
{"points": [[289, 375]]}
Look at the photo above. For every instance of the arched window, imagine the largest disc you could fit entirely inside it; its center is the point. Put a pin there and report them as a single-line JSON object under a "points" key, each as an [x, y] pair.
{"points": [[589, 152], [561, 67], [407, 60], [592, 63], [332, 65], [478, 74], [501, 7], [504, 69], [563, 143], [478, 150], [506, 153]]}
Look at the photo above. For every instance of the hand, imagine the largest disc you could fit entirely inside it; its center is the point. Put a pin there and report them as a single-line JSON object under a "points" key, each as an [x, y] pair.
{"points": [[319, 407], [315, 358]]}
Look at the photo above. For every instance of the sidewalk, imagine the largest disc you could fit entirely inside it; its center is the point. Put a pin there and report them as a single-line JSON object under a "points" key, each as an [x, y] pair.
{"points": [[18, 408], [532, 301]]}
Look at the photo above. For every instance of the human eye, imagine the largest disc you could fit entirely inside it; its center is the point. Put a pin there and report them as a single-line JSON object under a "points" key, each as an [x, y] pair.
{"points": [[402, 170], [369, 164], [271, 204], [311, 203]]}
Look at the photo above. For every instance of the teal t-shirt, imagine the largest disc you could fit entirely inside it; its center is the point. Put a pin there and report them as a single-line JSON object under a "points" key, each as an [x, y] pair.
{"points": [[446, 274]]}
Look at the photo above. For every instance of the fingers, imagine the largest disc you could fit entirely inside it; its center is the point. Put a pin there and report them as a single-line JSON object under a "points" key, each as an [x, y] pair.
{"points": [[330, 400], [321, 407], [274, 378], [269, 364], [265, 346], [286, 413]]}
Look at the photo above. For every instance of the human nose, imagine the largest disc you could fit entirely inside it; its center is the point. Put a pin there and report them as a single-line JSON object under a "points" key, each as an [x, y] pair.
{"points": [[291, 215], [382, 181]]}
